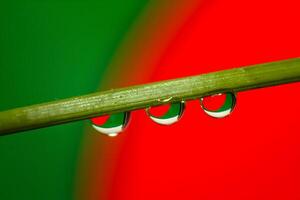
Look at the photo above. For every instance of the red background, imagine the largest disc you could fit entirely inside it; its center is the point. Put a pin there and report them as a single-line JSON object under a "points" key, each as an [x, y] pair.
{"points": [[252, 154]]}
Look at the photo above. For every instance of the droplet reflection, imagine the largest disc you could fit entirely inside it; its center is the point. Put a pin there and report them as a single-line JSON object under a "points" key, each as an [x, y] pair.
{"points": [[166, 114], [218, 105], [111, 125]]}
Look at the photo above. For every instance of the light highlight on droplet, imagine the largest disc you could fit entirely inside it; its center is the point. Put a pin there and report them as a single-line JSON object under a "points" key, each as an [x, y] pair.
{"points": [[166, 114], [218, 105], [111, 125]]}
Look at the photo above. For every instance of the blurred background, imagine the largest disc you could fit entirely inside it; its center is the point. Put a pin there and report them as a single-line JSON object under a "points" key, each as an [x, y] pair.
{"points": [[57, 49]]}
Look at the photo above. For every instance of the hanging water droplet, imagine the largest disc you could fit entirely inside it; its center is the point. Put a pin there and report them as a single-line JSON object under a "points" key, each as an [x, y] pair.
{"points": [[218, 105], [111, 125], [166, 114]]}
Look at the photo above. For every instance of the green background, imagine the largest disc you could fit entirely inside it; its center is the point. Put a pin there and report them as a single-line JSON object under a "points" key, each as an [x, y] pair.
{"points": [[51, 50]]}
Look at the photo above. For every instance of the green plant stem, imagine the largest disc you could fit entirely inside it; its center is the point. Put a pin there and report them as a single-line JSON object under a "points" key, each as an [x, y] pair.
{"points": [[142, 96]]}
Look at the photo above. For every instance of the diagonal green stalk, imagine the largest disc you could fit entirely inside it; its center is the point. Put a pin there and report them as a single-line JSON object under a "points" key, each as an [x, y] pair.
{"points": [[142, 96]]}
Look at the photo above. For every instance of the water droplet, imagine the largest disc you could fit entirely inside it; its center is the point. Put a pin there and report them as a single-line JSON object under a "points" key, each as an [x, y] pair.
{"points": [[166, 114], [218, 105], [111, 125]]}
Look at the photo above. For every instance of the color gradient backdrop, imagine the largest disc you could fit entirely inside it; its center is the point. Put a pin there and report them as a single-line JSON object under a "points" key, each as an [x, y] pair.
{"points": [[56, 49]]}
